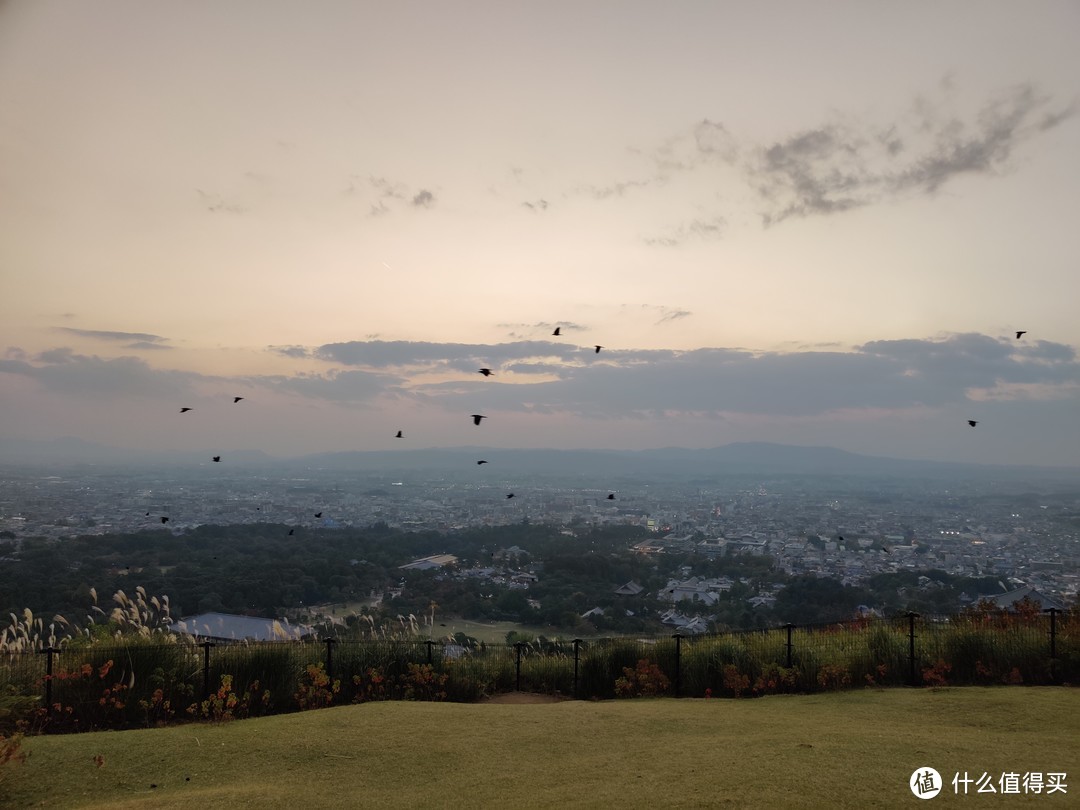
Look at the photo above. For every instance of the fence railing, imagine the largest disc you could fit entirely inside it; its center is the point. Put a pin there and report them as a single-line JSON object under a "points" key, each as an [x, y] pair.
{"points": [[140, 683]]}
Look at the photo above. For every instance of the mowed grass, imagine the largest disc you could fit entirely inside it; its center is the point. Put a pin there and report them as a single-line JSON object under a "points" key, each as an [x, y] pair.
{"points": [[850, 749]]}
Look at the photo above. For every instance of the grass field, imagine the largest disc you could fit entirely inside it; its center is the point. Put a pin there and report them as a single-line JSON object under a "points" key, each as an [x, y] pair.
{"points": [[853, 749]]}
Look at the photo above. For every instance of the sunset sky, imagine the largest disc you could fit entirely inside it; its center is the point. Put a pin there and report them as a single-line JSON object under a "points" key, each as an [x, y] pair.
{"points": [[809, 223]]}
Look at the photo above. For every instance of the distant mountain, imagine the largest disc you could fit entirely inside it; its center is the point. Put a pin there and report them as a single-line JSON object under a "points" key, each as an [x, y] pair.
{"points": [[671, 463], [69, 450]]}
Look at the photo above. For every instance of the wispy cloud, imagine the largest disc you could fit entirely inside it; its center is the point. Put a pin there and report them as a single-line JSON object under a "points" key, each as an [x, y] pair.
{"points": [[296, 352], [97, 334], [845, 163], [703, 229]]}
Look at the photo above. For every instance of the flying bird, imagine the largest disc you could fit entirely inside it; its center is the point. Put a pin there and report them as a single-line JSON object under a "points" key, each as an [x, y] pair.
{"points": [[184, 410], [482, 461], [487, 372], [511, 495], [1021, 333], [973, 422], [558, 331], [217, 458], [164, 519], [318, 514], [476, 417], [398, 435], [611, 496], [236, 399], [598, 348], [292, 532]]}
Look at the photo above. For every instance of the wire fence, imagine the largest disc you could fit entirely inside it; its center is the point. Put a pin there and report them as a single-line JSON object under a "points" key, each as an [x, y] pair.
{"points": [[136, 683]]}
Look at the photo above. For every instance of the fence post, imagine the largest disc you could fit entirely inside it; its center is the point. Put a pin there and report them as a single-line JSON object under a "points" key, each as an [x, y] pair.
{"points": [[1053, 643], [912, 616], [330, 642], [577, 643], [430, 644], [206, 645], [678, 664], [48, 653], [789, 627], [517, 683]]}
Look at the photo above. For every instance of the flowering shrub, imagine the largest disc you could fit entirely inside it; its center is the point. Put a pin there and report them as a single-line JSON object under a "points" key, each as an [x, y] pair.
{"points": [[225, 704], [421, 682], [645, 680], [734, 681], [935, 675], [315, 691], [833, 676], [776, 679], [371, 685]]}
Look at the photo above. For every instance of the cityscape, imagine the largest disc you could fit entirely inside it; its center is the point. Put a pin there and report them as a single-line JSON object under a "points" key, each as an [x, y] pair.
{"points": [[1019, 526]]}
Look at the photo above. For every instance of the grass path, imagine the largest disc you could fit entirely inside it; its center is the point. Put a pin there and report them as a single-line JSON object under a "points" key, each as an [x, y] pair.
{"points": [[850, 749]]}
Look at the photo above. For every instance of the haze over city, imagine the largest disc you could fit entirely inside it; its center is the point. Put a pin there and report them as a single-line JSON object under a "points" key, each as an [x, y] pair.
{"points": [[815, 224]]}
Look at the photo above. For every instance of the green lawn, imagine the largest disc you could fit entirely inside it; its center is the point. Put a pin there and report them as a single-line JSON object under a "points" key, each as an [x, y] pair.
{"points": [[853, 749]]}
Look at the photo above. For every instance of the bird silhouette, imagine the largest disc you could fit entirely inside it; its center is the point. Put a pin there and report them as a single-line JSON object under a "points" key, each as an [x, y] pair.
{"points": [[840, 538], [1021, 333], [148, 514], [292, 532], [611, 496], [398, 435], [972, 422], [236, 399], [318, 514], [482, 461], [217, 458], [184, 410], [558, 331], [886, 549], [487, 372], [598, 348], [164, 519], [476, 417], [510, 495]]}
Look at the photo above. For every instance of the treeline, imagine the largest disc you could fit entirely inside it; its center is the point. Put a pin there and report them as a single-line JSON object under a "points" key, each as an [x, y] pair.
{"points": [[263, 570]]}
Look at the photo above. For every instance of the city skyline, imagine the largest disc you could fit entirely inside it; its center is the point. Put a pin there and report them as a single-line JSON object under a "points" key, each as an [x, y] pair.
{"points": [[814, 226]]}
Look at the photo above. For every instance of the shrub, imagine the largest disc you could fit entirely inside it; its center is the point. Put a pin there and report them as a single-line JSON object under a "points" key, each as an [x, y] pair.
{"points": [[644, 680], [315, 690]]}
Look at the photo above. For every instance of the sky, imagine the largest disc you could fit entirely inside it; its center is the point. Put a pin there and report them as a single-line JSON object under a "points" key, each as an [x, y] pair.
{"points": [[815, 224]]}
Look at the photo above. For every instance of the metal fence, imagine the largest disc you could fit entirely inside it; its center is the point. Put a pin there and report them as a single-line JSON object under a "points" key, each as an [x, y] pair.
{"points": [[138, 683]]}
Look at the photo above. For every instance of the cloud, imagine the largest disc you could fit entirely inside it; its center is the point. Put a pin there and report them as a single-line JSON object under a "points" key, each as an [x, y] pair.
{"points": [[882, 376], [544, 327], [842, 166], [847, 163], [345, 386], [704, 229], [464, 357], [64, 372], [423, 199], [144, 344], [621, 188], [215, 203], [669, 315], [140, 337], [296, 352]]}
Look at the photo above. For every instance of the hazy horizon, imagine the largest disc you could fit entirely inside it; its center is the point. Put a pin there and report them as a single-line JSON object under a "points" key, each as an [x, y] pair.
{"points": [[815, 225]]}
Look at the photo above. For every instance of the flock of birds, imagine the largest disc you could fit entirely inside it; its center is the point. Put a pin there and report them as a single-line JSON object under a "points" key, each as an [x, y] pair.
{"points": [[476, 417]]}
